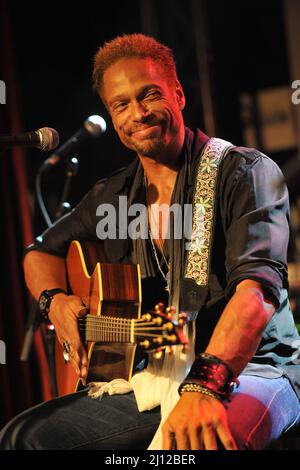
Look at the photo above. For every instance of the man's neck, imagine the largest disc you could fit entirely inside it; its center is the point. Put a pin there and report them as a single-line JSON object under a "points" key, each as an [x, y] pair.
{"points": [[157, 170], [160, 178]]}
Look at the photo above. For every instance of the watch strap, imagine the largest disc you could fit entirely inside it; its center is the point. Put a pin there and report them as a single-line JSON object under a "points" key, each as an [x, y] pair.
{"points": [[45, 300], [53, 292]]}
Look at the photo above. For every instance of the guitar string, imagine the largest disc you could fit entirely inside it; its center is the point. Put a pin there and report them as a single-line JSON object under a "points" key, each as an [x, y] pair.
{"points": [[105, 319], [150, 336], [112, 330], [127, 323], [126, 338], [107, 325], [90, 316], [122, 326], [111, 333], [138, 327], [114, 317], [101, 321], [125, 331]]}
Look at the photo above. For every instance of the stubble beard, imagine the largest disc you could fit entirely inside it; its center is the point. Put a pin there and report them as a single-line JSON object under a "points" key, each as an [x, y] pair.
{"points": [[149, 148]]}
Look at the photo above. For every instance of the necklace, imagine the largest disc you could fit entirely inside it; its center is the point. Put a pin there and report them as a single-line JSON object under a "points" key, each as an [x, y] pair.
{"points": [[165, 276]]}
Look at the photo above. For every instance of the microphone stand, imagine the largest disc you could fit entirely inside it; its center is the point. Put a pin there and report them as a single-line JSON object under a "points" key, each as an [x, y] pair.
{"points": [[72, 169], [34, 318]]}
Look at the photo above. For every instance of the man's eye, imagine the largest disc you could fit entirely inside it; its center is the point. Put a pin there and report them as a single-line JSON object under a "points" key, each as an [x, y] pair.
{"points": [[152, 94], [119, 106]]}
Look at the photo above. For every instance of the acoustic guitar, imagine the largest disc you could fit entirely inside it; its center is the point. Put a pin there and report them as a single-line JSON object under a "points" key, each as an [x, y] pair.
{"points": [[114, 331]]}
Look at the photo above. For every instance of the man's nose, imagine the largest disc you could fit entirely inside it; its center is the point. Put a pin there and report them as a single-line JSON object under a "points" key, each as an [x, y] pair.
{"points": [[139, 111]]}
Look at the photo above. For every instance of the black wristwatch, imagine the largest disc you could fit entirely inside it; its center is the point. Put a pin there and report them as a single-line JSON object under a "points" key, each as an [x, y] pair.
{"points": [[45, 300]]}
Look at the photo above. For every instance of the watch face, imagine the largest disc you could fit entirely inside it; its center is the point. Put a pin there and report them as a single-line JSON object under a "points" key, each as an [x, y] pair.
{"points": [[43, 302]]}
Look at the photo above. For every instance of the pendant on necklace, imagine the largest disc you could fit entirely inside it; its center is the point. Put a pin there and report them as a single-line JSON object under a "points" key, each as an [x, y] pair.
{"points": [[167, 287]]}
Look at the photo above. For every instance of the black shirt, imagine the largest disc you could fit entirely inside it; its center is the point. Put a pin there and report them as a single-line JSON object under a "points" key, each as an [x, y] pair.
{"points": [[250, 242]]}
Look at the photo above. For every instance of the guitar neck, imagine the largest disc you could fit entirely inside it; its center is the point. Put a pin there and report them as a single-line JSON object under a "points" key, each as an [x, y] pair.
{"points": [[107, 329], [148, 332]]}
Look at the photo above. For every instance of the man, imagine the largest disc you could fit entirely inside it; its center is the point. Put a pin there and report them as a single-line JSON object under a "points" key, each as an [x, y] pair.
{"points": [[244, 328]]}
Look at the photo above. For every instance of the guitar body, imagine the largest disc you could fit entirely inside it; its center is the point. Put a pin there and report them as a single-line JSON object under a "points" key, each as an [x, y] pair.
{"points": [[107, 290]]}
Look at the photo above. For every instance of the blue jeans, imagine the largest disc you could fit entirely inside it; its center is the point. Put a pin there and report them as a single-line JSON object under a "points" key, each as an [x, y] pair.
{"points": [[260, 411]]}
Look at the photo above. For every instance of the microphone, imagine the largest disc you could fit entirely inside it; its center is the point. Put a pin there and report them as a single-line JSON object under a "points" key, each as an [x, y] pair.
{"points": [[93, 126], [45, 139]]}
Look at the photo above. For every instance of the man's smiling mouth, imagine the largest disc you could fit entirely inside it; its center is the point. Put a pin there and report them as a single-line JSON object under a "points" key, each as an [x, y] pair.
{"points": [[147, 130]]}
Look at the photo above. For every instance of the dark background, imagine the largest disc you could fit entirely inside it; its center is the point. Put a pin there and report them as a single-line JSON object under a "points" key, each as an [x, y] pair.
{"points": [[48, 48], [55, 48]]}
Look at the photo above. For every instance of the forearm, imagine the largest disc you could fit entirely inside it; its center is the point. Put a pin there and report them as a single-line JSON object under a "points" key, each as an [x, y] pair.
{"points": [[240, 328], [43, 271]]}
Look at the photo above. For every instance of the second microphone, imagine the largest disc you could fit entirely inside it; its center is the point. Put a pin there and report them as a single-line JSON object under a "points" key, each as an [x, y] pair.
{"points": [[93, 126]]}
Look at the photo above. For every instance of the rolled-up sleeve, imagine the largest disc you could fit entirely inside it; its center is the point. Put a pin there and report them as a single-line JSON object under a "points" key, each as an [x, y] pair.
{"points": [[255, 213], [79, 224]]}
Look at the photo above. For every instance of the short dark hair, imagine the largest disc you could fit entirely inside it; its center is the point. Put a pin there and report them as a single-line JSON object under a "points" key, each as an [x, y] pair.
{"points": [[132, 45]]}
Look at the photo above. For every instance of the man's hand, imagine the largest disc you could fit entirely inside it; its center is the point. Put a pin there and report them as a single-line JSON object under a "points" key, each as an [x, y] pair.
{"points": [[195, 422], [64, 313]]}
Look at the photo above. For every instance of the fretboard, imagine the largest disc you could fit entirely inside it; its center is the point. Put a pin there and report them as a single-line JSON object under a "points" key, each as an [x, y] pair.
{"points": [[107, 329]]}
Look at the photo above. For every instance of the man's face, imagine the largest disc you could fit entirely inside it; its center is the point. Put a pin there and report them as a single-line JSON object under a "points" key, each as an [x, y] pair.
{"points": [[144, 105]]}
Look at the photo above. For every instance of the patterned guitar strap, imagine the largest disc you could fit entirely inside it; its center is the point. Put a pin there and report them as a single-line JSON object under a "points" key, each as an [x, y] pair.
{"points": [[198, 254], [196, 274]]}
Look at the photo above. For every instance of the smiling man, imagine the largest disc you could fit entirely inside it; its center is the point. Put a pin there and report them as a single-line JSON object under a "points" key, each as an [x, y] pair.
{"points": [[146, 110], [237, 387]]}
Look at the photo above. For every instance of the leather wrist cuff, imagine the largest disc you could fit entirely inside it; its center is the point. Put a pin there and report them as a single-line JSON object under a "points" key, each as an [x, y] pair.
{"points": [[213, 374]]}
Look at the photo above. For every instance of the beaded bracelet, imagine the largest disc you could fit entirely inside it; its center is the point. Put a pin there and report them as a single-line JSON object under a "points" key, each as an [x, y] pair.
{"points": [[191, 387]]}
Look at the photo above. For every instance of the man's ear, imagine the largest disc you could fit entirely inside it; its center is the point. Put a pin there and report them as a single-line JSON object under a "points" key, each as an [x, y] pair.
{"points": [[179, 95]]}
